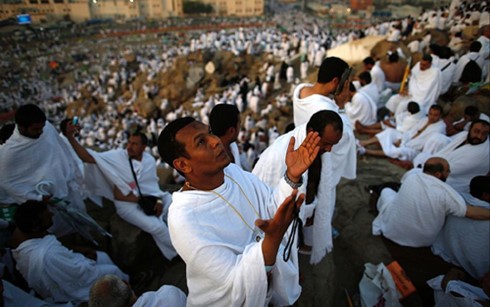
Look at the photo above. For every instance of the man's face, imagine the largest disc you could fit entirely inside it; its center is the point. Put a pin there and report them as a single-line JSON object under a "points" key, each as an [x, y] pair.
{"points": [[434, 116], [135, 147], [33, 131], [329, 138], [424, 65], [207, 155], [478, 134]]}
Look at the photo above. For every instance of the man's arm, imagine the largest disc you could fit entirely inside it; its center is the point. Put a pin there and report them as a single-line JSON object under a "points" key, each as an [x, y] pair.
{"points": [[477, 213], [275, 228], [82, 153]]}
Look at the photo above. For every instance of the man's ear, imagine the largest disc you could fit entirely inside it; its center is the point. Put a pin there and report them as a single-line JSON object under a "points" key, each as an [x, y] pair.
{"points": [[182, 164]]}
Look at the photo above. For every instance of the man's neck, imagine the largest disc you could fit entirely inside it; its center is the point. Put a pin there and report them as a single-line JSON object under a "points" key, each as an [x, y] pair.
{"points": [[207, 184], [317, 88]]}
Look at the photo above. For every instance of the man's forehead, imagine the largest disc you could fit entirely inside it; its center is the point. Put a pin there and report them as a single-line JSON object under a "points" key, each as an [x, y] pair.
{"points": [[191, 129]]}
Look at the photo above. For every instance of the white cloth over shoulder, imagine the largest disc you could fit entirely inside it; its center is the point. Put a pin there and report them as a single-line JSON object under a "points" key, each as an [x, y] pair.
{"points": [[59, 274], [344, 156], [361, 108], [465, 242], [225, 264], [415, 215], [52, 161], [465, 162], [166, 296], [424, 86], [271, 167]]}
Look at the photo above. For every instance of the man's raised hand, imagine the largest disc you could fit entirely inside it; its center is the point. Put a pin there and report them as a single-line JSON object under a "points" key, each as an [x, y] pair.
{"points": [[299, 160]]}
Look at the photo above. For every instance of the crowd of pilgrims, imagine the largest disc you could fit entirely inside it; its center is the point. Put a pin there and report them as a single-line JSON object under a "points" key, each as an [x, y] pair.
{"points": [[412, 130]]}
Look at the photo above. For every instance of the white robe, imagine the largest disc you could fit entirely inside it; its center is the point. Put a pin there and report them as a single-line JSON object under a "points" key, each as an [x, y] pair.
{"points": [[361, 108], [24, 162], [424, 86], [344, 156], [465, 162], [225, 264], [409, 146], [269, 169], [59, 274], [112, 168], [166, 296], [457, 293], [15, 297], [415, 215], [465, 242]]}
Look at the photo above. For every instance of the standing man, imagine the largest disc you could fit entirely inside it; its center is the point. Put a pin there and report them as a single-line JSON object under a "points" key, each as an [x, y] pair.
{"points": [[271, 164], [224, 121], [311, 98], [113, 178], [227, 225]]}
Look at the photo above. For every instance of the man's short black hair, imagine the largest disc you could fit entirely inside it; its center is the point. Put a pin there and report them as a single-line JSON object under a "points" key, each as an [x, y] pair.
{"points": [[475, 46], [331, 68], [27, 217], [368, 61], [223, 117], [471, 111], [168, 146], [142, 136], [436, 107], [321, 119], [393, 57], [6, 132], [479, 185], [365, 76], [29, 114], [479, 121], [413, 107], [427, 57]]}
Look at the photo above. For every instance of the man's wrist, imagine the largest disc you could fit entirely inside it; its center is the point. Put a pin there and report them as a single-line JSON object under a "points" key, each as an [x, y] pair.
{"points": [[293, 182]]}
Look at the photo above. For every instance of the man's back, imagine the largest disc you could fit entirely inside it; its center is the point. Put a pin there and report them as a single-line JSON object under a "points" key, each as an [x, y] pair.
{"points": [[415, 215]]}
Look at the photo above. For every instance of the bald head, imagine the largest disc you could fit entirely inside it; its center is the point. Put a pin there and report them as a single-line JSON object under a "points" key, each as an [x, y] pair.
{"points": [[437, 167], [111, 291]]}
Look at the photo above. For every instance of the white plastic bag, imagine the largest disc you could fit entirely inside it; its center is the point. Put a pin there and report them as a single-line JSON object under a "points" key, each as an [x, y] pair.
{"points": [[377, 287]]}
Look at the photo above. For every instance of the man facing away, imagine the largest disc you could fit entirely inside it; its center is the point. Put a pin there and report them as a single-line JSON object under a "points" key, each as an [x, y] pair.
{"points": [[415, 214], [114, 165], [227, 225]]}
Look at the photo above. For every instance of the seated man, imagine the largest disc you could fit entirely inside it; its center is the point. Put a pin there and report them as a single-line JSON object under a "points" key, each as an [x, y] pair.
{"points": [[227, 225], [52, 270], [362, 107], [471, 113], [110, 290], [467, 152], [415, 215], [407, 145], [114, 165], [465, 242]]}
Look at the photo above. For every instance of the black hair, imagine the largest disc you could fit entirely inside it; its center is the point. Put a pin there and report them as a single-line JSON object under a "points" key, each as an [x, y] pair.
{"points": [[143, 137], [332, 67], [168, 146], [413, 107], [427, 57], [365, 76], [368, 61], [436, 107], [471, 111], [321, 119], [479, 121], [471, 73], [223, 117], [6, 131], [27, 217], [393, 57], [29, 114], [479, 185], [475, 46]]}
